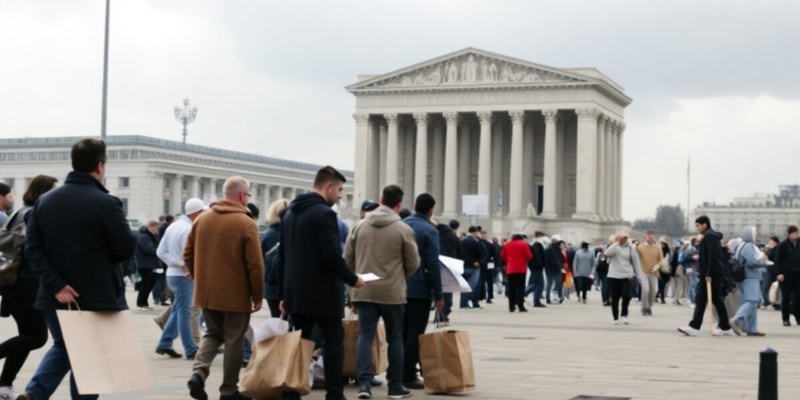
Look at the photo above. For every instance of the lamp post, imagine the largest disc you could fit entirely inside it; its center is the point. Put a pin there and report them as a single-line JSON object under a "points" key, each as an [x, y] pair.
{"points": [[185, 115]]}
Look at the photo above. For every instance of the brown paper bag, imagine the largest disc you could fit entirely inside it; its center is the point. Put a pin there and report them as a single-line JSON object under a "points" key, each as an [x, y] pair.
{"points": [[380, 359], [278, 365], [104, 351], [446, 361]]}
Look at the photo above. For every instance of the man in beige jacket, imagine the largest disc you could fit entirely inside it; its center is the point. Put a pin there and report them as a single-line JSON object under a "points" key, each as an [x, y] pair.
{"points": [[385, 246], [650, 256]]}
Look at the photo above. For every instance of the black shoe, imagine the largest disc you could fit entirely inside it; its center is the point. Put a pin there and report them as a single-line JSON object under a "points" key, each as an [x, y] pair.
{"points": [[364, 391], [787, 323], [197, 388], [548, 302], [191, 355], [512, 309], [171, 353], [399, 393], [377, 382], [523, 309], [235, 396], [489, 301], [540, 305]]}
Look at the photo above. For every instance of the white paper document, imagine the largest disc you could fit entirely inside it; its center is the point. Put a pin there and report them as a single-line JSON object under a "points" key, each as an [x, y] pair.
{"points": [[369, 277], [451, 270]]}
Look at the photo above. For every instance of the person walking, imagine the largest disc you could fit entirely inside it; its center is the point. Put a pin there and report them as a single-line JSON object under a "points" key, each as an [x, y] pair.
{"points": [[553, 267], [77, 234], [584, 265], [664, 276], [601, 266], [474, 254], [754, 261], [450, 246], [536, 266], [312, 270], [650, 256], [269, 238], [623, 267], [223, 255], [383, 245], [787, 260], [710, 271], [516, 253], [147, 262], [18, 300], [690, 262], [170, 252]]}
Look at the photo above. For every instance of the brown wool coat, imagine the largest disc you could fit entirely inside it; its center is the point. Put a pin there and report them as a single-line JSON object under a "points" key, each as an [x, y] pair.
{"points": [[223, 256]]}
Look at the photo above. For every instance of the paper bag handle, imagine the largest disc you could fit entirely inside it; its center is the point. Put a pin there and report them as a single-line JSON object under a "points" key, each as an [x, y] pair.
{"points": [[441, 322], [69, 306]]}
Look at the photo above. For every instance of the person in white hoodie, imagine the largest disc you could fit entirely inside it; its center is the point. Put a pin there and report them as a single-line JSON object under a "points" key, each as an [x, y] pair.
{"points": [[753, 260], [623, 268]]}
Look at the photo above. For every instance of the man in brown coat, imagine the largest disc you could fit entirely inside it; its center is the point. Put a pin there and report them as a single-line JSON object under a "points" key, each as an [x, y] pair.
{"points": [[223, 256]]}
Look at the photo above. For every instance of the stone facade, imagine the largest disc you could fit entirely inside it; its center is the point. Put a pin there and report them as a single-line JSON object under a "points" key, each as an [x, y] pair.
{"points": [[544, 144], [155, 177]]}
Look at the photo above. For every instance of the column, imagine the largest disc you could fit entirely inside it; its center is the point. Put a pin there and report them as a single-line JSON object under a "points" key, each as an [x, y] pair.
{"points": [[438, 165], [362, 169], [157, 205], [176, 203], [421, 155], [585, 183], [485, 155], [618, 160], [550, 164], [392, 149], [195, 189], [451, 165], [373, 162], [609, 168], [602, 173], [515, 205]]}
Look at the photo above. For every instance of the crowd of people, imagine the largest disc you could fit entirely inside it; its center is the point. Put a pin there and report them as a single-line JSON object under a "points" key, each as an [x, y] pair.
{"points": [[217, 269]]}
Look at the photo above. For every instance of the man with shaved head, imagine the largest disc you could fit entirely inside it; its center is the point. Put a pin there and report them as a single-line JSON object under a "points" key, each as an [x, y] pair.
{"points": [[223, 256]]}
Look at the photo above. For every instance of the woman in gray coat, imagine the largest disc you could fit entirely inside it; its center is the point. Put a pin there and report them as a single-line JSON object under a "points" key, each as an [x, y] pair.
{"points": [[583, 269], [623, 268]]}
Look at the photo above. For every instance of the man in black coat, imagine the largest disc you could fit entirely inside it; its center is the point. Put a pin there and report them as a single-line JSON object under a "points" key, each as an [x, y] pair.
{"points": [[536, 266], [450, 246], [553, 264], [312, 269], [492, 259], [76, 237], [474, 255], [787, 263]]}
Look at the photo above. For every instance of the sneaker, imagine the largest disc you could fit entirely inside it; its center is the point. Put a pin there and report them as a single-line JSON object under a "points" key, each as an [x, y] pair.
{"points": [[688, 331], [364, 391], [720, 332], [624, 320], [616, 322], [737, 329], [399, 393], [7, 393]]}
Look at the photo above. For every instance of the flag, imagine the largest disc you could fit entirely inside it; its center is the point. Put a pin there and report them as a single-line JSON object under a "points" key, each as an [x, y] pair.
{"points": [[500, 199]]}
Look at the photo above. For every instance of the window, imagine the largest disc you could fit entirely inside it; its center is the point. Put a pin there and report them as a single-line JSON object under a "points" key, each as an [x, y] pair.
{"points": [[10, 182], [184, 184], [218, 188], [124, 182], [167, 183], [202, 188], [125, 206], [166, 207]]}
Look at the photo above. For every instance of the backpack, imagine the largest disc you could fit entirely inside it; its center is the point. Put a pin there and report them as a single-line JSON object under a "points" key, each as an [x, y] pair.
{"points": [[271, 265], [737, 264], [12, 248]]}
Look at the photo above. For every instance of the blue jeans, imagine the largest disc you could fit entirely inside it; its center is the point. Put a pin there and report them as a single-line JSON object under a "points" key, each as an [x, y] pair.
{"points": [[750, 294], [554, 280], [180, 319], [603, 287], [472, 275], [692, 286], [536, 286], [416, 317], [54, 366], [368, 316]]}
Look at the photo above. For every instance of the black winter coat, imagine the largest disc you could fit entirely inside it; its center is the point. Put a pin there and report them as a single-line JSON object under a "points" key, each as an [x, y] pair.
{"points": [[146, 246], [77, 236], [473, 251], [449, 245], [537, 262], [311, 266], [553, 259], [710, 250], [787, 260]]}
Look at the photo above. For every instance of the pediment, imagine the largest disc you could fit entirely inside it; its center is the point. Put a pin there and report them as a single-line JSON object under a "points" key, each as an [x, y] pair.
{"points": [[469, 68]]}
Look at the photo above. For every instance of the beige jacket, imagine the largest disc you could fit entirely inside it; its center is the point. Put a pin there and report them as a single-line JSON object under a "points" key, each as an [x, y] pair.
{"points": [[385, 246], [650, 256]]}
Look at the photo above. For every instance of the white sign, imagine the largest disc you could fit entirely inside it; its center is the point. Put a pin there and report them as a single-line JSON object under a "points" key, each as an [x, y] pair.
{"points": [[475, 205], [451, 270]]}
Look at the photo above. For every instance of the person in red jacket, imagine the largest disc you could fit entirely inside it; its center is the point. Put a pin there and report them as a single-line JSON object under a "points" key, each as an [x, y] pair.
{"points": [[516, 253]]}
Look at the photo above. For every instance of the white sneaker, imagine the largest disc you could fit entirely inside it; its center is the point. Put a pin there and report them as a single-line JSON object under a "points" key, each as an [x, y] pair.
{"points": [[7, 393], [688, 331], [720, 332], [616, 322], [624, 320]]}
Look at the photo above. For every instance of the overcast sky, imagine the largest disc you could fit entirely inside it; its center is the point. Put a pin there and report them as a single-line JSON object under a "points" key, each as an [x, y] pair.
{"points": [[714, 78]]}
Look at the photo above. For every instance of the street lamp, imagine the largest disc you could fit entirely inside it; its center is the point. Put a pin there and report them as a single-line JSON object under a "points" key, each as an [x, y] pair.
{"points": [[185, 115]]}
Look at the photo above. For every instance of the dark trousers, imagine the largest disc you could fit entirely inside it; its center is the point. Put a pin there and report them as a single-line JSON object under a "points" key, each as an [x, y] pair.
{"points": [[769, 277], [536, 286], [583, 284], [603, 288], [145, 288], [662, 287], [486, 283], [790, 293], [516, 291], [619, 289], [31, 326], [554, 280], [417, 314], [701, 301], [333, 334], [159, 287]]}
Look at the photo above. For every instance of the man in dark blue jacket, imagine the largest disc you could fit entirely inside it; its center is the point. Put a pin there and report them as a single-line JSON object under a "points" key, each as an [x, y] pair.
{"points": [[312, 269], [422, 287], [76, 237], [474, 255]]}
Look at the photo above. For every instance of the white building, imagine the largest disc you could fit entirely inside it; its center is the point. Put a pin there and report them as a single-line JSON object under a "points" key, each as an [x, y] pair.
{"points": [[154, 177], [547, 141], [771, 214]]}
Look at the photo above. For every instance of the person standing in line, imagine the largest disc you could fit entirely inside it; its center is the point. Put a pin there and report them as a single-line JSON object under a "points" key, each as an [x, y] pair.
{"points": [[6, 200], [536, 265], [623, 268], [269, 238], [474, 253], [450, 246], [147, 262], [553, 265], [77, 234], [516, 253], [710, 271], [753, 260], [787, 260], [223, 256], [487, 275], [424, 286], [18, 300], [650, 256], [383, 245], [170, 252], [583, 269], [311, 269]]}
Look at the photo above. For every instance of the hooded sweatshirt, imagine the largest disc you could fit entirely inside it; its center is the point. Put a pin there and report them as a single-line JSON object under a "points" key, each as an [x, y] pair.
{"points": [[383, 245], [710, 249], [748, 255]]}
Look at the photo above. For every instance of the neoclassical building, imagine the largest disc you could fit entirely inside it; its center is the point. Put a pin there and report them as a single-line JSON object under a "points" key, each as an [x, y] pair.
{"points": [[543, 144], [155, 177]]}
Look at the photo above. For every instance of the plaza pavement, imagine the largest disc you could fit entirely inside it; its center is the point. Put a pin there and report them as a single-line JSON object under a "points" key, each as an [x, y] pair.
{"points": [[558, 352]]}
